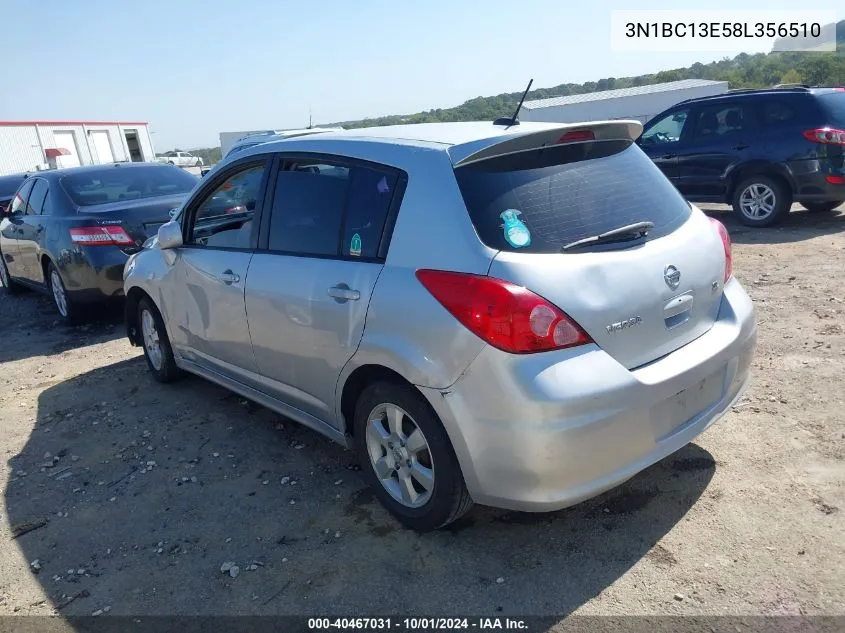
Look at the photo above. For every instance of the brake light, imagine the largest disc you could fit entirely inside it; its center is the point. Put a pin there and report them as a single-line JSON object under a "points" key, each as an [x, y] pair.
{"points": [[835, 180], [577, 135], [726, 244], [826, 136], [503, 314], [101, 236]]}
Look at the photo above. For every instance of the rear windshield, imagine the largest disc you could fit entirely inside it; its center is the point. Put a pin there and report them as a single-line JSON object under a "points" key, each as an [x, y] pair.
{"points": [[541, 201], [113, 184], [834, 104]]}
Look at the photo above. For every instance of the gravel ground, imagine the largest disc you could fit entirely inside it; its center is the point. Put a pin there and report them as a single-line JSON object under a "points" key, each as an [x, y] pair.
{"points": [[124, 496]]}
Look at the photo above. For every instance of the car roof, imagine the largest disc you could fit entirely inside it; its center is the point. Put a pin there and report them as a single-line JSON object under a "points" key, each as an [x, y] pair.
{"points": [[754, 92]]}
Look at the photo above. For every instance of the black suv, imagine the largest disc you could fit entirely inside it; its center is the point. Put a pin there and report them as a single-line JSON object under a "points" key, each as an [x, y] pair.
{"points": [[758, 150]]}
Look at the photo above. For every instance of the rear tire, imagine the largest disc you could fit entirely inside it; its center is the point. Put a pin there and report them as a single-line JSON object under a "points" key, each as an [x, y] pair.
{"points": [[70, 312], [761, 201], [9, 286], [410, 464], [821, 207], [156, 344]]}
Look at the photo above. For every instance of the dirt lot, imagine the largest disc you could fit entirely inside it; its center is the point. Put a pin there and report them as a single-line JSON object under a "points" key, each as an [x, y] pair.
{"points": [[139, 492]]}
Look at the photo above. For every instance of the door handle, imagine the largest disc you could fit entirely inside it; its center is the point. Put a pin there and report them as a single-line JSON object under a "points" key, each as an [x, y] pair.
{"points": [[741, 146], [344, 293], [668, 156], [229, 278]]}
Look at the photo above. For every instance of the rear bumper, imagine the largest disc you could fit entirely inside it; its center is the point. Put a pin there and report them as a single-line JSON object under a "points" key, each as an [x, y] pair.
{"points": [[543, 432], [811, 184], [95, 274]]}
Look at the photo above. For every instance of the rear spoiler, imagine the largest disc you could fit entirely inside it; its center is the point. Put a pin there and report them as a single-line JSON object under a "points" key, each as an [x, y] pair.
{"points": [[525, 140]]}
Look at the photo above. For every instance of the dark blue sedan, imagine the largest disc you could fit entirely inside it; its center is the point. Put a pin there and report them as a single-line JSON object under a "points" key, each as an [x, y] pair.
{"points": [[69, 232]]}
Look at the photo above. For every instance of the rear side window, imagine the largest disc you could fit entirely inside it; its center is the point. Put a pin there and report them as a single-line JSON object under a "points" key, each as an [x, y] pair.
{"points": [[834, 105], [540, 202], [35, 205], [720, 121], [326, 209]]}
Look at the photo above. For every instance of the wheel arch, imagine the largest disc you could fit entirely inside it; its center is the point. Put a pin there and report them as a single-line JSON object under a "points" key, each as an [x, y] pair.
{"points": [[130, 313], [360, 378], [775, 171]]}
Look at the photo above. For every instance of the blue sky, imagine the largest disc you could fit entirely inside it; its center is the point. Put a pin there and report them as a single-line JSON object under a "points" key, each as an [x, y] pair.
{"points": [[196, 68]]}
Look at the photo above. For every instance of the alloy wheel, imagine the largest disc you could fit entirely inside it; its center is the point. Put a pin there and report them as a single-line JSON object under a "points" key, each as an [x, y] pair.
{"points": [[58, 293], [152, 344], [400, 455], [757, 201]]}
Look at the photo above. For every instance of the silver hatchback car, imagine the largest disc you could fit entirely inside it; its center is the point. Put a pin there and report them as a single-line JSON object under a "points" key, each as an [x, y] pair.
{"points": [[519, 316]]}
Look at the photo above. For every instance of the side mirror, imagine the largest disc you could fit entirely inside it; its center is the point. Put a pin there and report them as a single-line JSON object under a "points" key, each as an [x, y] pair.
{"points": [[170, 235]]}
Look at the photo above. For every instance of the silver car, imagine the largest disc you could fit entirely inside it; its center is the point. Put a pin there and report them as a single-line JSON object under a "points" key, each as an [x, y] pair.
{"points": [[520, 316]]}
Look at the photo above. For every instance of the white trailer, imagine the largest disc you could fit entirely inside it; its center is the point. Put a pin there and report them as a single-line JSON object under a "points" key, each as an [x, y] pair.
{"points": [[639, 102]]}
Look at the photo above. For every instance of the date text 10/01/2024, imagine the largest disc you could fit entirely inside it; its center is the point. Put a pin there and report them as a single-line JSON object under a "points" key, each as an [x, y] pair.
{"points": [[416, 624]]}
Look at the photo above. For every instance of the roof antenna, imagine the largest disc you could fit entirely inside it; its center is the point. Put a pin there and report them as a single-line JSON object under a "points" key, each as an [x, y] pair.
{"points": [[509, 121], [309, 118]]}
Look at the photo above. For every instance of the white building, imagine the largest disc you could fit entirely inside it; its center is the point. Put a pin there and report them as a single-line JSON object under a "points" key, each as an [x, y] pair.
{"points": [[639, 102], [36, 145]]}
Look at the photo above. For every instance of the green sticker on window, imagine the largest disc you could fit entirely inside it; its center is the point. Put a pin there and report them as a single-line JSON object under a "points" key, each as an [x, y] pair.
{"points": [[355, 246]]}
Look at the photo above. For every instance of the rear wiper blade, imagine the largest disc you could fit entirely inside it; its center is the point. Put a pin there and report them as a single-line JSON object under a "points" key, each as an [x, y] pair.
{"points": [[630, 231]]}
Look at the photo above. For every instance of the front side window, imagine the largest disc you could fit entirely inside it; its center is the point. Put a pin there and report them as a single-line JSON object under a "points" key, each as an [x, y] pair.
{"points": [[224, 218], [325, 209], [667, 130]]}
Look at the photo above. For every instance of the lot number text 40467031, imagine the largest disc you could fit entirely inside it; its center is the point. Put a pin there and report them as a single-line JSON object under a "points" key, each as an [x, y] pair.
{"points": [[417, 624]]}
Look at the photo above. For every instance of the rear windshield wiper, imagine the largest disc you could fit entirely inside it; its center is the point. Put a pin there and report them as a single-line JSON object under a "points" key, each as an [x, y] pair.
{"points": [[621, 234]]}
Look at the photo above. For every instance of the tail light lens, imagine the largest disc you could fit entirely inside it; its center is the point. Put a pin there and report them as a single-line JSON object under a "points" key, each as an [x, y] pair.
{"points": [[835, 180], [577, 135], [101, 236], [503, 314], [826, 136], [726, 244]]}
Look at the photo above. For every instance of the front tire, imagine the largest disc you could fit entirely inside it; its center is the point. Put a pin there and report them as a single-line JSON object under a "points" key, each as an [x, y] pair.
{"points": [[407, 458], [760, 201], [821, 207], [69, 311], [9, 286], [156, 344]]}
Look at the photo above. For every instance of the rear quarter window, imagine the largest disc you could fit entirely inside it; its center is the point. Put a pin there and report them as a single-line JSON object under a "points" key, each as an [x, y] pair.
{"points": [[567, 193], [833, 104]]}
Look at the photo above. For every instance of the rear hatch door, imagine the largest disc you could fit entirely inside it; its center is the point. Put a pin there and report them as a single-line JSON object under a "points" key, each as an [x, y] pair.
{"points": [[639, 299]]}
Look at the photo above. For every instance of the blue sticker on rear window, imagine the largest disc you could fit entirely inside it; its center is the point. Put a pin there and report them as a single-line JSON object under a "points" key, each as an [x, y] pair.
{"points": [[516, 233]]}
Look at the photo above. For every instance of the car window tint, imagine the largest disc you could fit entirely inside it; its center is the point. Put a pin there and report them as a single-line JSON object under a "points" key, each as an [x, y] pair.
{"points": [[833, 104], [308, 208], [224, 218], [777, 113], [37, 197], [368, 201], [115, 184], [539, 202], [19, 201], [718, 121], [666, 130]]}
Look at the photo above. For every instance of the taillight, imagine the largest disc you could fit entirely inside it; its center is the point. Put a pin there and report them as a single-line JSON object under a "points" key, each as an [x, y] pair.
{"points": [[101, 236], [826, 136], [835, 180], [503, 314], [577, 135], [726, 244]]}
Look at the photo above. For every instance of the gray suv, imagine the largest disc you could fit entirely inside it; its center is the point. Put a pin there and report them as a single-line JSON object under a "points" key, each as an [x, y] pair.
{"points": [[519, 316]]}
